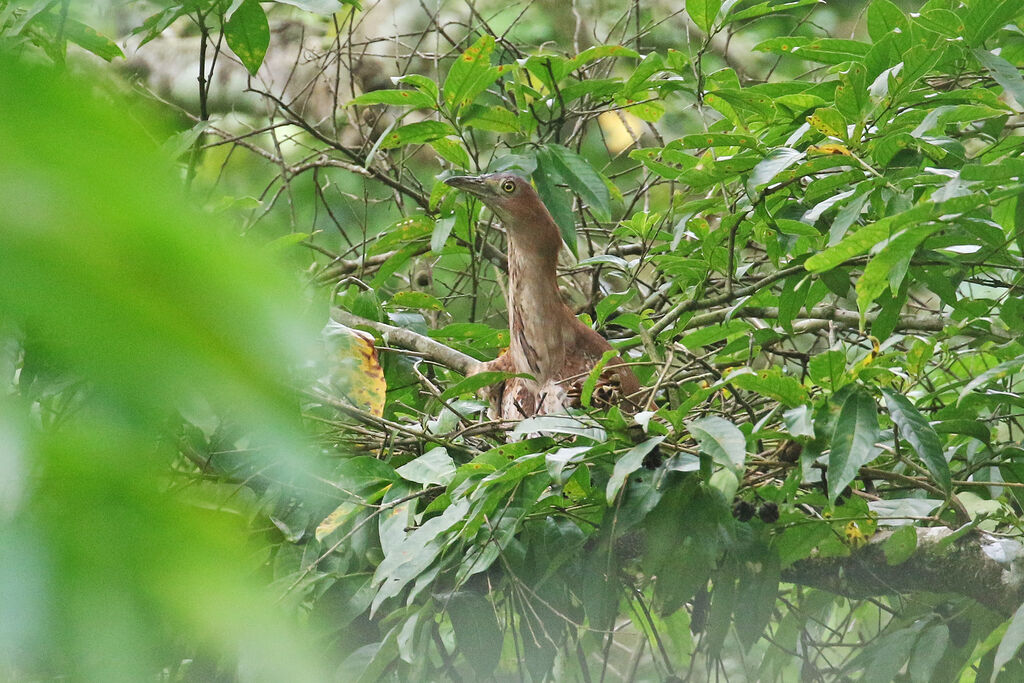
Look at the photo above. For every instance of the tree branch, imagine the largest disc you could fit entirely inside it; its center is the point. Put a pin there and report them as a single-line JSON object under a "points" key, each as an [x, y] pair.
{"points": [[407, 339], [979, 565]]}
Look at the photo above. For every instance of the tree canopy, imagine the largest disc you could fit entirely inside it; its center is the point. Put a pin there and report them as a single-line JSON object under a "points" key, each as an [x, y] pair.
{"points": [[240, 311]]}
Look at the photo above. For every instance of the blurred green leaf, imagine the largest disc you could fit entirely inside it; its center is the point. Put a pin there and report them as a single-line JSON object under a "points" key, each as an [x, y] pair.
{"points": [[853, 440]]}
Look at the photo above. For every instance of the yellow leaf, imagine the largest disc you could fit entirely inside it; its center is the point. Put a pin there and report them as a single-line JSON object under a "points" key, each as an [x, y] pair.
{"points": [[355, 371], [335, 520], [828, 148]]}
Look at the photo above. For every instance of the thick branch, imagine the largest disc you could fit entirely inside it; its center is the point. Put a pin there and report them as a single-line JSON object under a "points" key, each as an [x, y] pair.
{"points": [[407, 339], [981, 566]]}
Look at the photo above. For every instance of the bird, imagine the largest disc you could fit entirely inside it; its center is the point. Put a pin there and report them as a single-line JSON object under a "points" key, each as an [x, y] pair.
{"points": [[546, 340]]}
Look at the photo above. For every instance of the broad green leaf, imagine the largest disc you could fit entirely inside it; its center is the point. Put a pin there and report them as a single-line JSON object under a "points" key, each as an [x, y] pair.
{"points": [[495, 119], [983, 19], [828, 370], [651, 64], [404, 98], [1004, 73], [884, 17], [452, 150], [471, 73], [889, 266], [562, 424], [824, 50], [929, 649], [771, 383], [248, 34], [1001, 371], [799, 421], [421, 83], [416, 133], [590, 383], [554, 198], [478, 635], [765, 8], [853, 441], [581, 178], [599, 52], [859, 242], [321, 7], [921, 436], [420, 300], [703, 12], [433, 467], [80, 34], [628, 463], [478, 381], [720, 439], [778, 160], [612, 303], [1010, 643]]}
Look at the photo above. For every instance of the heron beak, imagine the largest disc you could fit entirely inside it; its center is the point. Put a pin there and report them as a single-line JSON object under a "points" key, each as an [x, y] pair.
{"points": [[474, 185]]}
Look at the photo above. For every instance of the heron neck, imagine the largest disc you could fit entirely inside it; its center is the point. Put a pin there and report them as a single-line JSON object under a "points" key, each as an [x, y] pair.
{"points": [[538, 319]]}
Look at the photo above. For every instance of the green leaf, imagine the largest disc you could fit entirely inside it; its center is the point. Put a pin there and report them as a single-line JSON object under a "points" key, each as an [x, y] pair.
{"points": [[478, 636], [630, 462], [321, 7], [703, 12], [900, 546], [853, 441], [470, 75], [562, 424], [1004, 73], [478, 381], [248, 34], [581, 178], [824, 50], [828, 370], [494, 119], [982, 19], [771, 383], [452, 151], [416, 133], [765, 8], [590, 383], [921, 436], [1010, 643], [778, 160], [885, 17], [403, 98], [889, 266], [720, 439], [554, 198], [420, 300], [433, 467], [859, 242], [612, 303], [1001, 371]]}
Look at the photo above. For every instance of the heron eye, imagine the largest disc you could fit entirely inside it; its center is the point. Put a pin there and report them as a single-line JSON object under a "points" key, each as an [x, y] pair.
{"points": [[508, 186]]}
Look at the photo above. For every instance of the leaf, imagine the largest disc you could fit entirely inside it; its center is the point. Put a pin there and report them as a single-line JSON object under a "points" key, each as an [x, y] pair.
{"points": [[590, 383], [555, 199], [470, 74], [1004, 73], [861, 241], [771, 383], [433, 467], [885, 17], [561, 424], [778, 160], [889, 266], [478, 636], [703, 12], [720, 439], [1001, 371], [494, 119], [853, 441], [765, 8], [478, 381], [248, 34], [439, 236], [921, 436], [321, 7], [630, 462], [416, 133], [355, 370], [900, 546], [333, 521], [828, 370], [80, 34], [1010, 643], [984, 19], [581, 178], [418, 300], [403, 98]]}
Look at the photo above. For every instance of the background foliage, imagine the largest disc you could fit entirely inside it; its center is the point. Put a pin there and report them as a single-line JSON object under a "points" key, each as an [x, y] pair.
{"points": [[800, 219]]}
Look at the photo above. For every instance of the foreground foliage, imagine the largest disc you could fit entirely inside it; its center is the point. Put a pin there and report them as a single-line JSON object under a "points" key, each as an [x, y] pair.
{"points": [[810, 247]]}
